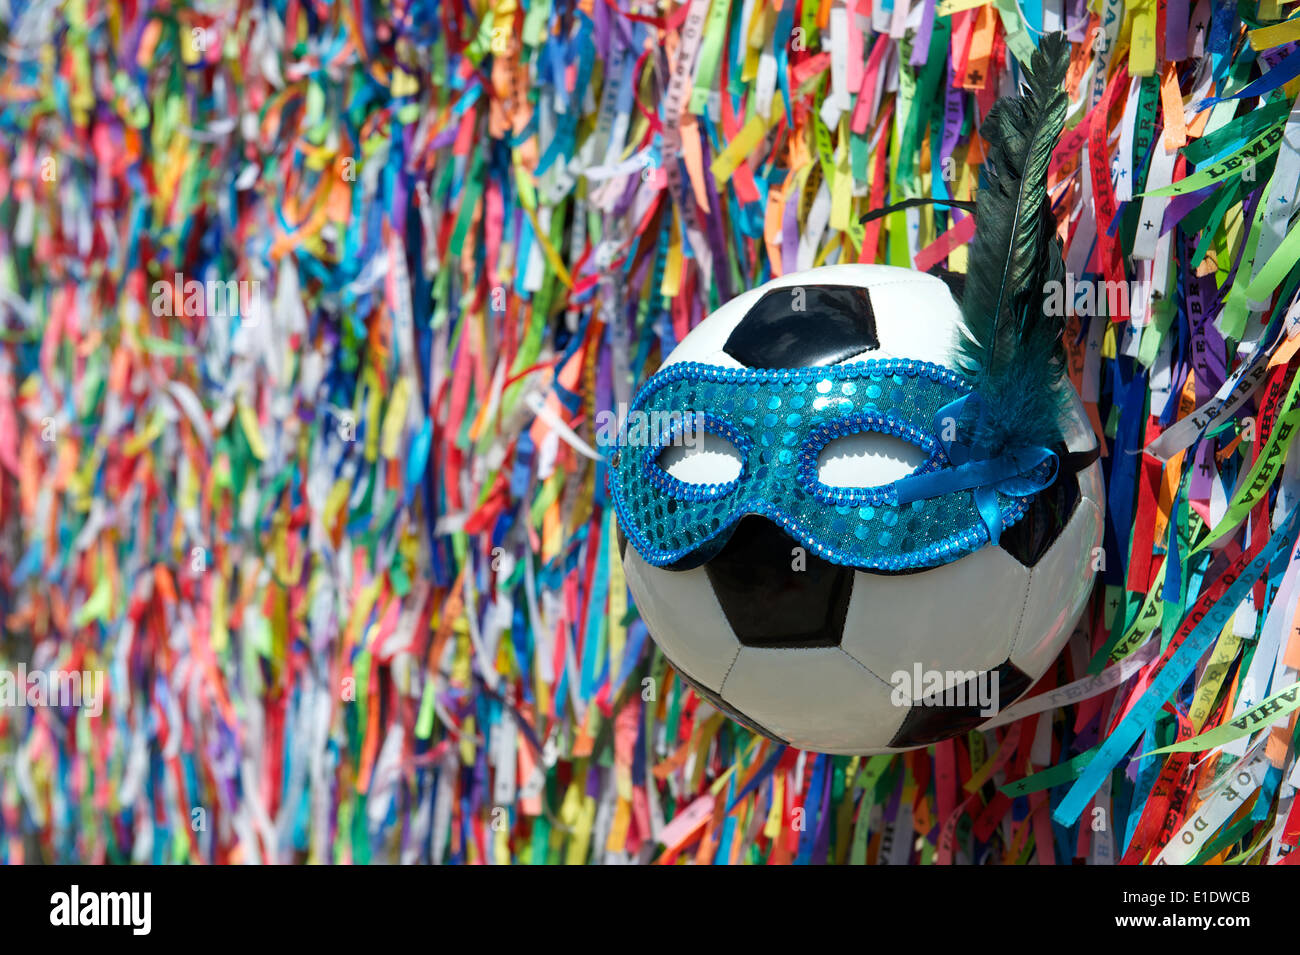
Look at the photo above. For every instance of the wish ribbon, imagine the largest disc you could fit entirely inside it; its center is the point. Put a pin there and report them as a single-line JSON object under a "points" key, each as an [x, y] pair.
{"points": [[1017, 472]]}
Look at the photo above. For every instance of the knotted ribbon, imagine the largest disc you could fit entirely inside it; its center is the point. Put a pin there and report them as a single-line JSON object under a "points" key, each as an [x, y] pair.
{"points": [[1016, 472]]}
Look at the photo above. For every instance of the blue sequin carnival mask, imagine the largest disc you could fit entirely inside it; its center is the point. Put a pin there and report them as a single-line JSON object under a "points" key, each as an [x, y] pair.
{"points": [[779, 420]]}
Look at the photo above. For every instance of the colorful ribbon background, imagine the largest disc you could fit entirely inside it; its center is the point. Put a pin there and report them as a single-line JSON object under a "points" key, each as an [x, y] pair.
{"points": [[310, 313]]}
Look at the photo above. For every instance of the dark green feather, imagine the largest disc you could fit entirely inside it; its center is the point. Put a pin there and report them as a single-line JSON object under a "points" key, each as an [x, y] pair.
{"points": [[1013, 353]]}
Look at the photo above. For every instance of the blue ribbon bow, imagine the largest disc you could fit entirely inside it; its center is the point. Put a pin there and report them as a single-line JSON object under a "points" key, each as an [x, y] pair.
{"points": [[1016, 472]]}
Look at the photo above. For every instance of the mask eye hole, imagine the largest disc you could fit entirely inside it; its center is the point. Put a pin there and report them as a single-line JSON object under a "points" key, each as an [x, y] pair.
{"points": [[708, 459], [700, 457], [857, 459], [867, 459]]}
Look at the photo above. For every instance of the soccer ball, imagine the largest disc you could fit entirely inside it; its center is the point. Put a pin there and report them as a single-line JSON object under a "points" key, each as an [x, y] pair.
{"points": [[839, 659]]}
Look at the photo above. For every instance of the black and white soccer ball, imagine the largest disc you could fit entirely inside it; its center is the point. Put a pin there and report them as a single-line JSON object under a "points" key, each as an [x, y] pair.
{"points": [[810, 653]]}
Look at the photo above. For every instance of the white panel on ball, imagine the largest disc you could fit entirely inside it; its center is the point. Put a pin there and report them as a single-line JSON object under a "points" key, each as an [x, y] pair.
{"points": [[682, 613], [1092, 484], [704, 342], [1058, 589], [961, 616], [818, 698]]}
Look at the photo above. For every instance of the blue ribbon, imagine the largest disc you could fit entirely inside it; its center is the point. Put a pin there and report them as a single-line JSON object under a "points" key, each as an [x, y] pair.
{"points": [[1015, 472]]}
